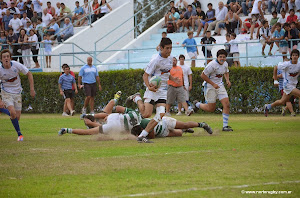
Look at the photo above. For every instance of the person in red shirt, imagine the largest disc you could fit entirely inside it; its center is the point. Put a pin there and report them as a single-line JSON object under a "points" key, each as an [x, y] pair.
{"points": [[176, 90], [292, 17]]}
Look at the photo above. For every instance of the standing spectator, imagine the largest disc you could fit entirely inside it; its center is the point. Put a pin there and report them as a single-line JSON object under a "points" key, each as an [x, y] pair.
{"points": [[21, 6], [234, 50], [24, 20], [16, 24], [207, 40], [25, 48], [65, 83], [46, 17], [11, 103], [188, 17], [265, 37], [181, 4], [104, 8], [89, 76], [68, 31], [278, 37], [34, 17], [232, 21], [29, 8], [282, 19], [173, 17], [37, 6], [274, 3], [188, 80], [229, 60], [50, 9], [221, 12], [6, 19], [57, 10], [28, 27], [48, 50], [13, 9], [96, 11], [12, 38], [191, 48], [256, 15], [292, 17], [198, 19], [40, 28], [3, 41], [210, 17], [33, 39], [2, 13], [246, 6], [176, 90], [78, 13]]}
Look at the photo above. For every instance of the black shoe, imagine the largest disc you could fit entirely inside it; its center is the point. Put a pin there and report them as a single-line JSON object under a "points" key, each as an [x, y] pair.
{"points": [[194, 106], [215, 34], [206, 127], [227, 128], [143, 140], [188, 131]]}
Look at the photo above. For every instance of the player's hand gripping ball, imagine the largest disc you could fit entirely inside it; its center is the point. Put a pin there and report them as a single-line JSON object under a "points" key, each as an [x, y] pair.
{"points": [[155, 81]]}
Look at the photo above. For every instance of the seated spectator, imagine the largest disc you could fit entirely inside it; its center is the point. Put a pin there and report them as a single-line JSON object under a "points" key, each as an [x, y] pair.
{"points": [[68, 31], [180, 21], [16, 24], [198, 19], [37, 6], [234, 6], [167, 15], [104, 8], [50, 9], [231, 22], [96, 11], [274, 3], [188, 17], [247, 25], [290, 34], [34, 17], [210, 17], [278, 37], [265, 37], [78, 13], [282, 19], [64, 12], [46, 17], [221, 12], [57, 10], [196, 4], [28, 27], [53, 29], [21, 5], [292, 17], [6, 19], [292, 4], [163, 35], [13, 9], [87, 11], [3, 41], [181, 4], [173, 17], [33, 39], [24, 19], [246, 5]]}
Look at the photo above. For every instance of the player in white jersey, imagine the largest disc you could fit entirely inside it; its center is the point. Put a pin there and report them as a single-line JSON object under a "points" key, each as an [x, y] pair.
{"points": [[214, 88], [160, 65], [290, 71], [11, 102]]}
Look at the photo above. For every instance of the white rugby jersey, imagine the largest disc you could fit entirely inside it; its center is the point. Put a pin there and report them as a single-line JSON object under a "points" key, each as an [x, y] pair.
{"points": [[186, 72], [10, 78], [290, 72], [159, 66], [214, 71]]}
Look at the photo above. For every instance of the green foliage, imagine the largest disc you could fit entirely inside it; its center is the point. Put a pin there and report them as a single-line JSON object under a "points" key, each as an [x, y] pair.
{"points": [[251, 88]]}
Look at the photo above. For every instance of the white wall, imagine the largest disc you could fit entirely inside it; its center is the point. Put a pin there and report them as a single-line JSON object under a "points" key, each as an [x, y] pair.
{"points": [[87, 37]]}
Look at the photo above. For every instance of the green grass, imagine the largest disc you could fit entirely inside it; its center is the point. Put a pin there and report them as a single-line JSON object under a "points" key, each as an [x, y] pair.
{"points": [[259, 151]]}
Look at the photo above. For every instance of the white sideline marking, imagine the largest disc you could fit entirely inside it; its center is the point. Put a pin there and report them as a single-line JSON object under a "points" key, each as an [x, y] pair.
{"points": [[207, 188]]}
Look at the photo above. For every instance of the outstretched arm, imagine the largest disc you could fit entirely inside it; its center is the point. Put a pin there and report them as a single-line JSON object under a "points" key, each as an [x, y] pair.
{"points": [[31, 84]]}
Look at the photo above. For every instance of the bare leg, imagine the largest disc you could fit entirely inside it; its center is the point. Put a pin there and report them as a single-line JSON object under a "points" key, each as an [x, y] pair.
{"points": [[92, 102], [226, 105], [185, 125], [86, 101], [179, 107], [168, 106], [185, 106], [68, 103], [92, 131], [289, 106], [145, 109], [109, 107], [282, 101], [175, 133], [209, 107], [49, 61]]}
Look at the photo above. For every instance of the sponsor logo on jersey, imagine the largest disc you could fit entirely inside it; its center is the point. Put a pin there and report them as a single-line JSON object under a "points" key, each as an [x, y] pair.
{"points": [[293, 74], [12, 79], [219, 75], [166, 70]]}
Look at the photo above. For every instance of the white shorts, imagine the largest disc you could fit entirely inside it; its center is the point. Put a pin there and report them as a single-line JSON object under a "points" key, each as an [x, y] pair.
{"points": [[288, 88], [10, 99], [283, 49], [150, 95], [211, 94], [235, 56], [168, 125], [114, 124], [187, 94], [47, 53], [192, 54]]}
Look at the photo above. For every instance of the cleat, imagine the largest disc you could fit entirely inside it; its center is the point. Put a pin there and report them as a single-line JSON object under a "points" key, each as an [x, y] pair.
{"points": [[64, 114], [62, 131], [130, 99], [143, 140], [83, 111], [82, 116], [117, 95], [283, 111], [227, 128], [206, 127], [188, 131], [293, 114], [179, 113], [20, 138], [189, 112], [266, 110], [194, 106], [72, 113], [168, 114]]}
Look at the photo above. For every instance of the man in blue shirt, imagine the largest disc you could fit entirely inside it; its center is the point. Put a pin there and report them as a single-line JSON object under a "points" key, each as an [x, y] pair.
{"points": [[54, 28], [88, 74], [68, 31], [78, 13], [191, 48]]}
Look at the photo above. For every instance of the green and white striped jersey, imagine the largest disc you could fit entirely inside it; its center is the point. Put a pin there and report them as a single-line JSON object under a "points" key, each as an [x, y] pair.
{"points": [[131, 119]]}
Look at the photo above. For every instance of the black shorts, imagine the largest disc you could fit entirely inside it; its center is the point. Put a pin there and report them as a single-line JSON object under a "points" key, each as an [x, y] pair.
{"points": [[69, 93], [208, 53], [90, 89]]}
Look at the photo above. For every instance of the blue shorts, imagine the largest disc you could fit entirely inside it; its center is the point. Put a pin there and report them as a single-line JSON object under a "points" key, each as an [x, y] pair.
{"points": [[203, 22]]}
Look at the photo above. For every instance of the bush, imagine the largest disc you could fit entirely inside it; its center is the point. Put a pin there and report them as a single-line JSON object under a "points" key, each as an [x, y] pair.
{"points": [[252, 87]]}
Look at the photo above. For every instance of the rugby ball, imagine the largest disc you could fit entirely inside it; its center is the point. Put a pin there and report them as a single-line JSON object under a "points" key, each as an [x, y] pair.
{"points": [[155, 81]]}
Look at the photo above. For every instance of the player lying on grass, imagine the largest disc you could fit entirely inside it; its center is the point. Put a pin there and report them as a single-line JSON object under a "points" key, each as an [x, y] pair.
{"points": [[291, 71]]}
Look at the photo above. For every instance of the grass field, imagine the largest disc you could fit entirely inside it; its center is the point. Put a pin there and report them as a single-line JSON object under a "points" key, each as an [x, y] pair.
{"points": [[261, 154]]}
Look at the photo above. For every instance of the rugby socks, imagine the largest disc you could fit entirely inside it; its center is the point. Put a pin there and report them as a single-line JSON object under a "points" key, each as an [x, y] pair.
{"points": [[137, 98], [15, 122], [198, 105], [269, 106], [5, 111], [144, 134], [225, 119], [201, 124], [69, 130]]}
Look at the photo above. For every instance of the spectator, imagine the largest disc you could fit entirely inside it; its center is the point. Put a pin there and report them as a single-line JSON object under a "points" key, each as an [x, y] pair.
{"points": [[24, 19], [210, 17], [78, 13], [207, 40], [6, 19], [46, 17], [278, 37], [21, 6], [229, 60], [50, 9], [25, 48], [163, 35], [191, 48], [282, 19], [247, 25], [48, 50], [37, 6], [28, 27], [53, 29], [221, 12], [13, 10], [188, 80], [3, 41], [40, 28], [16, 24], [29, 9], [104, 8], [234, 49], [33, 39], [96, 11], [2, 13], [89, 76], [57, 10], [173, 17], [196, 4], [188, 17], [234, 6], [34, 17], [291, 32], [265, 37], [65, 83], [64, 12], [167, 15], [176, 90], [181, 4], [68, 31], [256, 14], [274, 3], [232, 21], [246, 6], [198, 19], [181, 20], [273, 21], [292, 17], [12, 38], [87, 12], [292, 5]]}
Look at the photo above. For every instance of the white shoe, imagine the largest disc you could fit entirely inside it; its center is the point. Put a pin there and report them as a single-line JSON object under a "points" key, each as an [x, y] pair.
{"points": [[64, 114], [189, 112], [83, 111], [179, 113], [168, 114], [72, 113]]}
